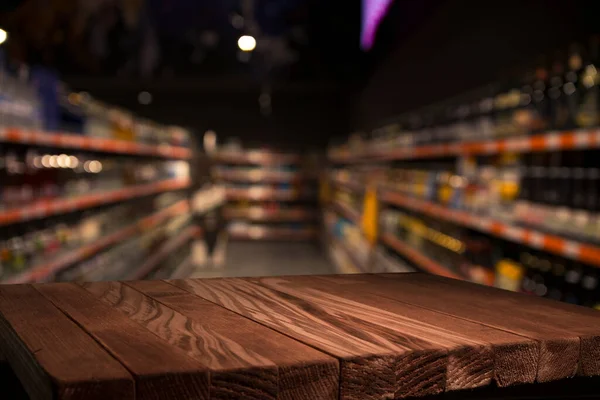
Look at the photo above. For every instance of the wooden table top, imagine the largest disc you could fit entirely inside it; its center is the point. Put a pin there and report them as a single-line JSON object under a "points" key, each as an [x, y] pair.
{"points": [[322, 337]]}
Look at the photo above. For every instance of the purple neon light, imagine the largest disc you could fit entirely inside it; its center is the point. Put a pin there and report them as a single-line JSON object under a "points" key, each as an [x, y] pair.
{"points": [[373, 13]]}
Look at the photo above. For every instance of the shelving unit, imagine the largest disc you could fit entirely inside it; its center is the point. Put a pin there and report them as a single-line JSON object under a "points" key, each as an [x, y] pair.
{"points": [[164, 251], [77, 142], [270, 195], [555, 244], [416, 257], [499, 186], [90, 199], [259, 213], [550, 141], [44, 271], [43, 209], [349, 180]]}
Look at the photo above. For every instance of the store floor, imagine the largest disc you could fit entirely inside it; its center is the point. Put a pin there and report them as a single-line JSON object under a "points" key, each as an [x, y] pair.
{"points": [[269, 259]]}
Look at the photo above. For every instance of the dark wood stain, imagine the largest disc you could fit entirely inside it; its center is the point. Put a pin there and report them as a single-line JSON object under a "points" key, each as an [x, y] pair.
{"points": [[513, 359], [161, 371], [323, 324], [357, 337], [41, 344], [221, 340], [559, 348]]}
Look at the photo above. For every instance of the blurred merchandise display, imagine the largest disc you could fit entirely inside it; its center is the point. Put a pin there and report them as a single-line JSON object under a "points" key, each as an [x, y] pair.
{"points": [[491, 261], [271, 195], [500, 186], [36, 100], [41, 248], [88, 191], [32, 174], [558, 95]]}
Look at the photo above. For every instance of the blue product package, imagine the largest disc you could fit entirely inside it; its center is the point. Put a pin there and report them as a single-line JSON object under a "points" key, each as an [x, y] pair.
{"points": [[46, 83]]}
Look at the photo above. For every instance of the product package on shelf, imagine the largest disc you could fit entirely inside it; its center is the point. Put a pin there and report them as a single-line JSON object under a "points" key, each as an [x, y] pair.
{"points": [[84, 186], [271, 195], [498, 186]]}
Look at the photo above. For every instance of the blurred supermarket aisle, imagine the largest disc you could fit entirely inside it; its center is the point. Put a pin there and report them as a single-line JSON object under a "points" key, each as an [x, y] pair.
{"points": [[269, 259]]}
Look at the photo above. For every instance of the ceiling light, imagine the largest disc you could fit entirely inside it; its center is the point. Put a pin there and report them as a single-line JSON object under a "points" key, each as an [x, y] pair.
{"points": [[246, 43]]}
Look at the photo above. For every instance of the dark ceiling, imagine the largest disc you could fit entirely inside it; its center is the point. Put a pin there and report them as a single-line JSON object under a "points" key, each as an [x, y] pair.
{"points": [[297, 39]]}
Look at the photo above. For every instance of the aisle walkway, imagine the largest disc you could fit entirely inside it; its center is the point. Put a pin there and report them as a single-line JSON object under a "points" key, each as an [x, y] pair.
{"points": [[270, 259]]}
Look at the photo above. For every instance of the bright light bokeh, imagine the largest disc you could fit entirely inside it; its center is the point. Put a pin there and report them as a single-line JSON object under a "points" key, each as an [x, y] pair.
{"points": [[3, 36], [247, 43]]}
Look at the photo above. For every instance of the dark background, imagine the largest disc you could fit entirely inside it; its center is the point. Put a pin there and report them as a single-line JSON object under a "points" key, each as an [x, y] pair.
{"points": [[426, 50]]}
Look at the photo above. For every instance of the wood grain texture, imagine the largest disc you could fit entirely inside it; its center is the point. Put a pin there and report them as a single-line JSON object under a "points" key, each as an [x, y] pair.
{"points": [[513, 359], [581, 321], [161, 371], [303, 371], [245, 358], [381, 357], [559, 348], [321, 337], [41, 344]]}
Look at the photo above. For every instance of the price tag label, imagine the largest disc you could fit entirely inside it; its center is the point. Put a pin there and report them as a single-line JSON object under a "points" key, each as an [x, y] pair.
{"points": [[483, 224], [552, 141], [521, 144], [571, 249], [536, 240], [514, 233], [490, 147], [583, 139]]}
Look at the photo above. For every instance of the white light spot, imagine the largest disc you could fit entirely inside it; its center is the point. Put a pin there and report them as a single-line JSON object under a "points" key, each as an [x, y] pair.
{"points": [[247, 43], [95, 166], [3, 36], [54, 161], [46, 161], [73, 162], [63, 161]]}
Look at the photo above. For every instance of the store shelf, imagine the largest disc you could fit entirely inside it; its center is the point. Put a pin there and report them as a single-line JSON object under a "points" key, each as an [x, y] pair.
{"points": [[47, 208], [583, 252], [45, 270], [60, 140], [273, 233], [261, 175], [419, 259], [346, 211], [355, 187], [164, 251], [550, 141], [360, 267], [261, 214], [343, 262], [260, 193], [257, 157]]}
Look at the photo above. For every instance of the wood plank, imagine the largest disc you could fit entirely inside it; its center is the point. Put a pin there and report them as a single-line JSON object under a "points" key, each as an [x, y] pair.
{"points": [[161, 371], [514, 358], [303, 371], [376, 361], [244, 358], [41, 344], [559, 348], [581, 321]]}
